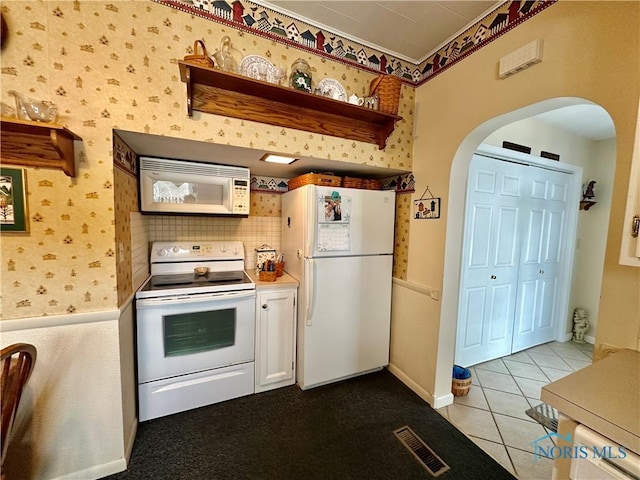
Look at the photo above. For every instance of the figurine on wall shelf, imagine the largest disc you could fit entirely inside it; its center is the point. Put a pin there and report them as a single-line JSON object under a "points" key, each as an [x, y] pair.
{"points": [[588, 191], [588, 196]]}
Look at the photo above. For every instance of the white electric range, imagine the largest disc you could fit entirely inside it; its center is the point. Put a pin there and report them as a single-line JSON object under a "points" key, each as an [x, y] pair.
{"points": [[195, 332]]}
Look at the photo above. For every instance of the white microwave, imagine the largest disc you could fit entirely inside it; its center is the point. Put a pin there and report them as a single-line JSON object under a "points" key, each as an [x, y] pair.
{"points": [[185, 187]]}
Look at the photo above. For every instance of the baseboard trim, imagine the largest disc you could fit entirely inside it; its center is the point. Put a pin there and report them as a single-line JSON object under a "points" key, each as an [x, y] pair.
{"points": [[417, 389], [588, 338], [443, 400], [132, 437], [97, 471]]}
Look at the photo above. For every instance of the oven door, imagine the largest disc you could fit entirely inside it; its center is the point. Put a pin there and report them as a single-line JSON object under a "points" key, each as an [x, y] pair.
{"points": [[185, 334]]}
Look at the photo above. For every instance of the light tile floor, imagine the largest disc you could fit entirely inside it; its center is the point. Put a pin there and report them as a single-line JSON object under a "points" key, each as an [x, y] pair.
{"points": [[493, 413]]}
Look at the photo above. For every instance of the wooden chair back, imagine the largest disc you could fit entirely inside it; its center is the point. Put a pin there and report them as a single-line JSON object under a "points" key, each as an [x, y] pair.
{"points": [[17, 362]]}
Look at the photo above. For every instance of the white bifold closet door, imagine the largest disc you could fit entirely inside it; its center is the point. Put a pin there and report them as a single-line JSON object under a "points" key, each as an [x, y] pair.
{"points": [[515, 229]]}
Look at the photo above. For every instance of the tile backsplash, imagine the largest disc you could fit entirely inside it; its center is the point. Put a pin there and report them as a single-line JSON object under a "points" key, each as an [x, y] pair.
{"points": [[254, 231]]}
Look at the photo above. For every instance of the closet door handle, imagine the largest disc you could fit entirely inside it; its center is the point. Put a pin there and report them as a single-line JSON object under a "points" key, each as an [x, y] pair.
{"points": [[541, 272], [493, 277]]}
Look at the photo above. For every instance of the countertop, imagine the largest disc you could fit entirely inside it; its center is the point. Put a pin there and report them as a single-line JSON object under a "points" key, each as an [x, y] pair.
{"points": [[284, 281], [604, 397]]}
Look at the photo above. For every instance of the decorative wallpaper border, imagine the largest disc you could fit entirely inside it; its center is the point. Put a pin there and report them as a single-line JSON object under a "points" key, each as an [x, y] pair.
{"points": [[400, 183], [502, 19], [268, 184], [124, 157], [262, 21]]}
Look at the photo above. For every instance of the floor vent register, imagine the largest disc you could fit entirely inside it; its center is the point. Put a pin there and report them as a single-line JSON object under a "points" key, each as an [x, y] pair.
{"points": [[545, 415], [429, 460]]}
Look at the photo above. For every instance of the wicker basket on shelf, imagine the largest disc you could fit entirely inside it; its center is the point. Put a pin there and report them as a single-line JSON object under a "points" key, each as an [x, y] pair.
{"points": [[352, 182], [322, 179], [387, 88], [370, 184]]}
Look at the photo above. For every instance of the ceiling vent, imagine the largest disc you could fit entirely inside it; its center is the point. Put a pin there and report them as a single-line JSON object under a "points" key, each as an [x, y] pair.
{"points": [[520, 59]]}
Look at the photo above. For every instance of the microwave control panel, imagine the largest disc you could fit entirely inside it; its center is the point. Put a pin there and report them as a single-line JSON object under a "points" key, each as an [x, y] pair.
{"points": [[240, 196]]}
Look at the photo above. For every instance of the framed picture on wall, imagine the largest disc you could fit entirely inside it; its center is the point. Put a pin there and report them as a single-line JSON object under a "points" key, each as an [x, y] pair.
{"points": [[425, 208], [13, 201]]}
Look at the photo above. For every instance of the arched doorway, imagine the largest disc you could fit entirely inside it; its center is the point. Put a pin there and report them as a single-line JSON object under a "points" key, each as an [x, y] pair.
{"points": [[455, 224]]}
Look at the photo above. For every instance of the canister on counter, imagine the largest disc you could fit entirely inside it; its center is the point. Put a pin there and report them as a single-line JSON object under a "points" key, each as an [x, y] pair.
{"points": [[264, 253]]}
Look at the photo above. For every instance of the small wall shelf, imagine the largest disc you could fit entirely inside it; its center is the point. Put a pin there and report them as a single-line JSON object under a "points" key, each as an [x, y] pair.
{"points": [[37, 144], [211, 90], [586, 204]]}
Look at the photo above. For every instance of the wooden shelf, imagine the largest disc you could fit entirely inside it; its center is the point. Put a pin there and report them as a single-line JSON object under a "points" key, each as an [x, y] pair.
{"points": [[586, 204], [211, 90], [37, 144]]}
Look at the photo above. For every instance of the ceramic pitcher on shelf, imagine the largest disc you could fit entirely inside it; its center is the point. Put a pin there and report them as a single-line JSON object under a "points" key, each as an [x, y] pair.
{"points": [[223, 57]]}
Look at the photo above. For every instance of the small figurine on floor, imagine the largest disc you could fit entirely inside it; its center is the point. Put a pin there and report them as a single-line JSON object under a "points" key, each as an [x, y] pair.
{"points": [[580, 325]]}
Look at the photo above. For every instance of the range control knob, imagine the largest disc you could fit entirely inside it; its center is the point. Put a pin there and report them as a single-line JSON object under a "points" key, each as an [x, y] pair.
{"points": [[223, 248], [175, 249], [162, 252], [236, 251]]}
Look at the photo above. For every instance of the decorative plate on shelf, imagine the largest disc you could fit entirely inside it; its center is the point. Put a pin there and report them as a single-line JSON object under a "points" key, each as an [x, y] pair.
{"points": [[330, 87], [259, 68]]}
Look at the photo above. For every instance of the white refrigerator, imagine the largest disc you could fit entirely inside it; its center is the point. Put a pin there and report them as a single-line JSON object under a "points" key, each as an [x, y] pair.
{"points": [[338, 243]]}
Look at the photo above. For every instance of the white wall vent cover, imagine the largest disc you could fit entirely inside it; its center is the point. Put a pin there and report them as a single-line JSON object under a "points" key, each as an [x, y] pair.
{"points": [[521, 58]]}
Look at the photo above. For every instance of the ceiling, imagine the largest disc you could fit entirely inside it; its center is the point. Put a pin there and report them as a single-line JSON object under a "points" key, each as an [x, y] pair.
{"points": [[588, 121], [408, 29]]}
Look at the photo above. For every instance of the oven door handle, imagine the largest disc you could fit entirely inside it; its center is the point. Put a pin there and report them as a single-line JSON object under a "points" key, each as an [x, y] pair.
{"points": [[200, 297]]}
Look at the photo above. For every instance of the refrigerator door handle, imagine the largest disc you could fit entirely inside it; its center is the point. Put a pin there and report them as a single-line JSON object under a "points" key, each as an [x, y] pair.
{"points": [[310, 291]]}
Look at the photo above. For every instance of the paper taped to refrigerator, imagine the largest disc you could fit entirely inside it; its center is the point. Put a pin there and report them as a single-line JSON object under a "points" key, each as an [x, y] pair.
{"points": [[334, 227], [333, 237]]}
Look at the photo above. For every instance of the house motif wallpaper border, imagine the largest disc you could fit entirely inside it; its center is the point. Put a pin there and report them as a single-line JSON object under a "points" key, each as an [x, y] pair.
{"points": [[268, 23], [504, 18]]}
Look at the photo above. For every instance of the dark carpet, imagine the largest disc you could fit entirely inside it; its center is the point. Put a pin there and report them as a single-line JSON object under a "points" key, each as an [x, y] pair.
{"points": [[339, 431]]}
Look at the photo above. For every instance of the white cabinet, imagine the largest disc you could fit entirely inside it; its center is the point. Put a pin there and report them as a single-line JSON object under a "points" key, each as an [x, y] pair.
{"points": [[275, 337]]}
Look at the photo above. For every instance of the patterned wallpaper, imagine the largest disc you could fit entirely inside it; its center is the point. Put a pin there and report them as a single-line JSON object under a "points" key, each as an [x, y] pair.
{"points": [[254, 17], [113, 65]]}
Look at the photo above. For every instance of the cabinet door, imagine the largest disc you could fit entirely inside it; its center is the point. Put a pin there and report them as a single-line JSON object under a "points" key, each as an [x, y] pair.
{"points": [[275, 339]]}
